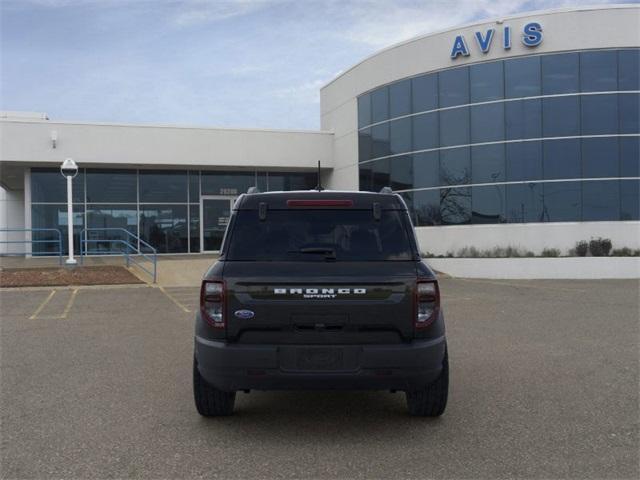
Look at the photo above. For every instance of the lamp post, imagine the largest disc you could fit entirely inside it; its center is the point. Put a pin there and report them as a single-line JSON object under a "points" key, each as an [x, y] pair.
{"points": [[69, 170]]}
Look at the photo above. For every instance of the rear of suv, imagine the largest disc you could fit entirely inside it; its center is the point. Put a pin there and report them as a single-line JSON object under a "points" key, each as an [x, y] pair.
{"points": [[320, 290]]}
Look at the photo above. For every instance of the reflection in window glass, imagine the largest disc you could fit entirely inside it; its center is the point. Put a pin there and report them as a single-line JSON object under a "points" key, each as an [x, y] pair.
{"points": [[424, 93], [364, 110], [194, 227], [408, 200], [487, 123], [629, 69], [380, 105], [381, 174], [487, 82], [165, 227], [524, 161], [523, 119], [111, 186], [426, 169], [629, 113], [562, 201], [163, 186], [487, 164], [48, 185], [455, 205], [366, 176], [380, 140], [194, 186], [227, 183], [629, 200], [561, 159], [629, 156], [455, 166], [400, 135], [425, 131], [561, 116], [116, 217], [402, 172], [454, 87], [365, 145], [599, 71], [426, 206], [600, 157], [400, 98], [522, 77], [488, 204], [560, 73], [600, 200], [285, 181], [54, 216], [599, 114], [524, 203], [454, 127]]}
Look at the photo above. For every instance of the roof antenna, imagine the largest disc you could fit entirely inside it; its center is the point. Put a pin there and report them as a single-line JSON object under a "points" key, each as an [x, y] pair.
{"points": [[319, 186]]}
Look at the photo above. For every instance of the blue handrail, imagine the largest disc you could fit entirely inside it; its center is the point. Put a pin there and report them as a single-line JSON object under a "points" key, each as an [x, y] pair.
{"points": [[129, 251], [31, 241]]}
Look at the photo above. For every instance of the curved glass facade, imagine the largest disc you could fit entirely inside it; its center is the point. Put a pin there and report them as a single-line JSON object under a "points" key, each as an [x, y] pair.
{"points": [[544, 138]]}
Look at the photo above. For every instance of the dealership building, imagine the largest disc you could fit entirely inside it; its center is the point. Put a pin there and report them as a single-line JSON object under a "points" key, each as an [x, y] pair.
{"points": [[519, 131]]}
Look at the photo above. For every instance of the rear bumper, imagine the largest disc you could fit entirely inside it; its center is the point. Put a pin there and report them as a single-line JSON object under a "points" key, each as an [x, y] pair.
{"points": [[231, 367]]}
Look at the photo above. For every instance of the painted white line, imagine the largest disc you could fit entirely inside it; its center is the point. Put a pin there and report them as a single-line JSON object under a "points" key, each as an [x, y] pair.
{"points": [[42, 305], [69, 304], [174, 300]]}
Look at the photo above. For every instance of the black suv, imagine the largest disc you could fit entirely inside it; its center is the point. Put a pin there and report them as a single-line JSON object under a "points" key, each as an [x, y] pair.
{"points": [[320, 290]]}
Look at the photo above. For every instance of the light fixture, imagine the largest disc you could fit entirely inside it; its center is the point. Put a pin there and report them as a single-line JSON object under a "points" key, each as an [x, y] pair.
{"points": [[54, 138]]}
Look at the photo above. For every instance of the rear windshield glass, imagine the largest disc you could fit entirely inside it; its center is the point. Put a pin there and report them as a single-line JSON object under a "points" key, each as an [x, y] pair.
{"points": [[320, 235]]}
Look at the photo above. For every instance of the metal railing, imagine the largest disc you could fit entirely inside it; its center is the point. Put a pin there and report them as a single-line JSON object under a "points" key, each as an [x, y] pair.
{"points": [[31, 241], [131, 248]]}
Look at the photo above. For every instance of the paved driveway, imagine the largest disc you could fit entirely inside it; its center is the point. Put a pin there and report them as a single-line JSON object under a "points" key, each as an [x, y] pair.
{"points": [[96, 383]]}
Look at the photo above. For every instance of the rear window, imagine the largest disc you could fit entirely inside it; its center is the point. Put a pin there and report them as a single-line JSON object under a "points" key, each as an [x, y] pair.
{"points": [[320, 235]]}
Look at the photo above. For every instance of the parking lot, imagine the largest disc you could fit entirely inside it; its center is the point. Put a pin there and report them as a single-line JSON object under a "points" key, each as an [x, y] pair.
{"points": [[96, 383]]}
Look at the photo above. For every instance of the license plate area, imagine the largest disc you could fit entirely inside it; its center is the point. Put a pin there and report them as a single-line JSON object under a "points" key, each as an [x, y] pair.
{"points": [[319, 358]]}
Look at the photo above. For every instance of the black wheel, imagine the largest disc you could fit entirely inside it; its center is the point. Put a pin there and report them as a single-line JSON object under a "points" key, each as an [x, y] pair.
{"points": [[210, 401], [432, 400]]}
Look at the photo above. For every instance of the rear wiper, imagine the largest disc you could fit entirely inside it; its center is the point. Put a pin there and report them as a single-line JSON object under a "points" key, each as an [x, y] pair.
{"points": [[329, 252]]}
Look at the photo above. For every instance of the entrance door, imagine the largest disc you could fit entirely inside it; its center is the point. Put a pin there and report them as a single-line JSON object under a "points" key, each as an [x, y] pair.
{"points": [[214, 216]]}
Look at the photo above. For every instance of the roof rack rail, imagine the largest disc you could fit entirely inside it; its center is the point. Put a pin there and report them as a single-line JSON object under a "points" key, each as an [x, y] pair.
{"points": [[386, 190], [253, 190]]}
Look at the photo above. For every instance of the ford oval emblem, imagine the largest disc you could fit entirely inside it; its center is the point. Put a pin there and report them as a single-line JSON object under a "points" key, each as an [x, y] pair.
{"points": [[244, 314]]}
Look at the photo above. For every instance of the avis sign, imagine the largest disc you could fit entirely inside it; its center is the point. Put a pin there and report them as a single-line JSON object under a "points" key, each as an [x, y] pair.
{"points": [[531, 37]]}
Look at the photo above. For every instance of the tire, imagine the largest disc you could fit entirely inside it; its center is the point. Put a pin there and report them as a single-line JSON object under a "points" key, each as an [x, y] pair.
{"points": [[432, 400], [211, 402]]}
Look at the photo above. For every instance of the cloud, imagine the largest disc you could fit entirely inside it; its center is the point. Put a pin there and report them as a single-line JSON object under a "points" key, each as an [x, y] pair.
{"points": [[193, 12]]}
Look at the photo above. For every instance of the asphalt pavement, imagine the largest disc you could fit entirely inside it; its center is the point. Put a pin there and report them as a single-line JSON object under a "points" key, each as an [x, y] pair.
{"points": [[96, 383]]}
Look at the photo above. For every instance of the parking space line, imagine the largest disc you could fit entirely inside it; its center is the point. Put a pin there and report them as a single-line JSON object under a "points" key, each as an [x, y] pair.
{"points": [[174, 300], [69, 304], [42, 305]]}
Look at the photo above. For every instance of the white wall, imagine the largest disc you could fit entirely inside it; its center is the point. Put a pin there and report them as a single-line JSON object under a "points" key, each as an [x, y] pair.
{"points": [[11, 216]]}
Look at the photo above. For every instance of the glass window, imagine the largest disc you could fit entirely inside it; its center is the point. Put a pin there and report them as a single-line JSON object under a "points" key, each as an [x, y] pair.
{"points": [[380, 105], [426, 169], [286, 181], [561, 159], [425, 131], [523, 119], [522, 77], [408, 200], [600, 157], [400, 98], [600, 200], [194, 186], [629, 69], [455, 166], [364, 110], [599, 71], [165, 227], [426, 207], [194, 227], [560, 73], [263, 183], [116, 217], [380, 140], [365, 144], [488, 204], [454, 87], [629, 112], [487, 82], [381, 174], [227, 183], [599, 114], [112, 186], [630, 156], [524, 161], [402, 172], [163, 186], [455, 206], [524, 203], [366, 176], [400, 135], [55, 216], [48, 185], [454, 127], [561, 116], [424, 93], [629, 200], [487, 123], [562, 201], [487, 164]]}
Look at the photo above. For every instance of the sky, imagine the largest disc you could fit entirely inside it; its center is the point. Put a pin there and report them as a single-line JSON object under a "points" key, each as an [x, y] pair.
{"points": [[226, 63]]}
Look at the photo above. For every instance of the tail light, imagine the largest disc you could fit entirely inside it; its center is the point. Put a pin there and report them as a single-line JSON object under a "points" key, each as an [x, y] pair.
{"points": [[427, 302], [212, 300]]}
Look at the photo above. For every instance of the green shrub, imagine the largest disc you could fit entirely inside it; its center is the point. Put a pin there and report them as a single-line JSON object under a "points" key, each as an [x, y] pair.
{"points": [[625, 252], [600, 247], [581, 248], [427, 255], [550, 252]]}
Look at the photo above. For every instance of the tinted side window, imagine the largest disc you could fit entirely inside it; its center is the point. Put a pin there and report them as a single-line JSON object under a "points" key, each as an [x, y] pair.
{"points": [[522, 77], [599, 71], [454, 87], [560, 73]]}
